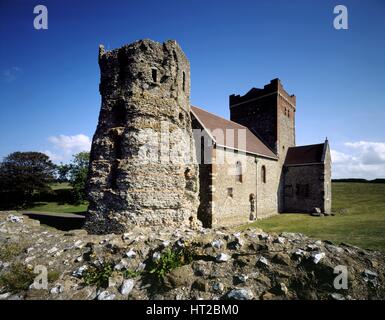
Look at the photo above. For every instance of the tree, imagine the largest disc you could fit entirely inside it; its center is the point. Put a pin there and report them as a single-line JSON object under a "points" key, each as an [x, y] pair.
{"points": [[23, 174], [78, 175], [62, 171]]}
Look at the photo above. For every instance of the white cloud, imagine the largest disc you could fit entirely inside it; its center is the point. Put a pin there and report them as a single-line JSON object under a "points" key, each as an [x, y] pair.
{"points": [[362, 159], [53, 156], [11, 74], [340, 157], [371, 152], [66, 146]]}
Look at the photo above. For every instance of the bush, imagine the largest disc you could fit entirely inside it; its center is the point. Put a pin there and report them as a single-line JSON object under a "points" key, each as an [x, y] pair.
{"points": [[99, 275], [171, 259], [129, 274]]}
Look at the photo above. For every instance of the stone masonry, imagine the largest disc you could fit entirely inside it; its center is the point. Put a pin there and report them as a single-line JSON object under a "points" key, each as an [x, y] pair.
{"points": [[142, 168]]}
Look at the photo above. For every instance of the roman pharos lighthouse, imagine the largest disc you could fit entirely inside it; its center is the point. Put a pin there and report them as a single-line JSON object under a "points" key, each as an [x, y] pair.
{"points": [[143, 169]]}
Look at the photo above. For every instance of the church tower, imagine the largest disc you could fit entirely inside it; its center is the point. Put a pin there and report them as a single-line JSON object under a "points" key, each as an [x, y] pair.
{"points": [[269, 113]]}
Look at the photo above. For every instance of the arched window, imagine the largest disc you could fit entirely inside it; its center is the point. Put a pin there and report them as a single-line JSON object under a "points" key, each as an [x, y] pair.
{"points": [[238, 171], [263, 174]]}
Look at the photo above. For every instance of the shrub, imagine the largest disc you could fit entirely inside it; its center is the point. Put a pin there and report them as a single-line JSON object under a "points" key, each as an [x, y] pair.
{"points": [[129, 274], [99, 275], [171, 259]]}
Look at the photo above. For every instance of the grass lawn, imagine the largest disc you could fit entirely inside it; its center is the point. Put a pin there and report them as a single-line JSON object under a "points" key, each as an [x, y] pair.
{"points": [[58, 207], [60, 185], [362, 225]]}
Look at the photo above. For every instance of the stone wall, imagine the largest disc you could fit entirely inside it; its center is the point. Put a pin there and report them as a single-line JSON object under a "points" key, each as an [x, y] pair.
{"points": [[231, 207], [249, 264], [143, 169], [286, 133], [270, 114], [286, 124], [257, 110], [304, 188], [327, 180]]}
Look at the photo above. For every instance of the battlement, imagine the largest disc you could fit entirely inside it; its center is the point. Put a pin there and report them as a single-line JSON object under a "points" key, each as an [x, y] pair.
{"points": [[269, 113], [274, 87]]}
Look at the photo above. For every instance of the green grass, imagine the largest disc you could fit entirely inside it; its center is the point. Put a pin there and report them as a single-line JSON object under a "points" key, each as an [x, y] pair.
{"points": [[362, 225], [60, 185], [18, 278], [57, 207]]}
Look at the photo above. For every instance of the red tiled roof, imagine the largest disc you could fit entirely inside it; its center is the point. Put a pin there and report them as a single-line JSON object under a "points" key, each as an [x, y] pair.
{"points": [[305, 154], [212, 122]]}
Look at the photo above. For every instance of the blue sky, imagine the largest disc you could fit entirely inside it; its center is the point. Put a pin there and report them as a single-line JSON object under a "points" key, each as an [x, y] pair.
{"points": [[49, 78]]}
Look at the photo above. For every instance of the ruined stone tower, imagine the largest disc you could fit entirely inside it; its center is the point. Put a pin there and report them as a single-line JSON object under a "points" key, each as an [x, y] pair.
{"points": [[143, 169]]}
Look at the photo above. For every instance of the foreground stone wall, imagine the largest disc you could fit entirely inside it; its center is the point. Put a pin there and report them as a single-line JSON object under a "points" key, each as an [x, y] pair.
{"points": [[143, 169], [249, 264]]}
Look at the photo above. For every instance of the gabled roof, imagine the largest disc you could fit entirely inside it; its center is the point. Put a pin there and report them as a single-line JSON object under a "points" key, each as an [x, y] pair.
{"points": [[305, 154], [211, 122]]}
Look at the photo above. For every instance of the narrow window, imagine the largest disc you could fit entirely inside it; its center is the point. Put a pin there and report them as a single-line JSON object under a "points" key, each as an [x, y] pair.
{"points": [[123, 64], [184, 81], [202, 159], [230, 192], [154, 75], [263, 174], [117, 139], [302, 190], [114, 176], [297, 189], [119, 114], [289, 190], [238, 171]]}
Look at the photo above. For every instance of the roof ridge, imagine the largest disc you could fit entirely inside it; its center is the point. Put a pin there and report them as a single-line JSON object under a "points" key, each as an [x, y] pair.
{"points": [[222, 118], [308, 145], [257, 146]]}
